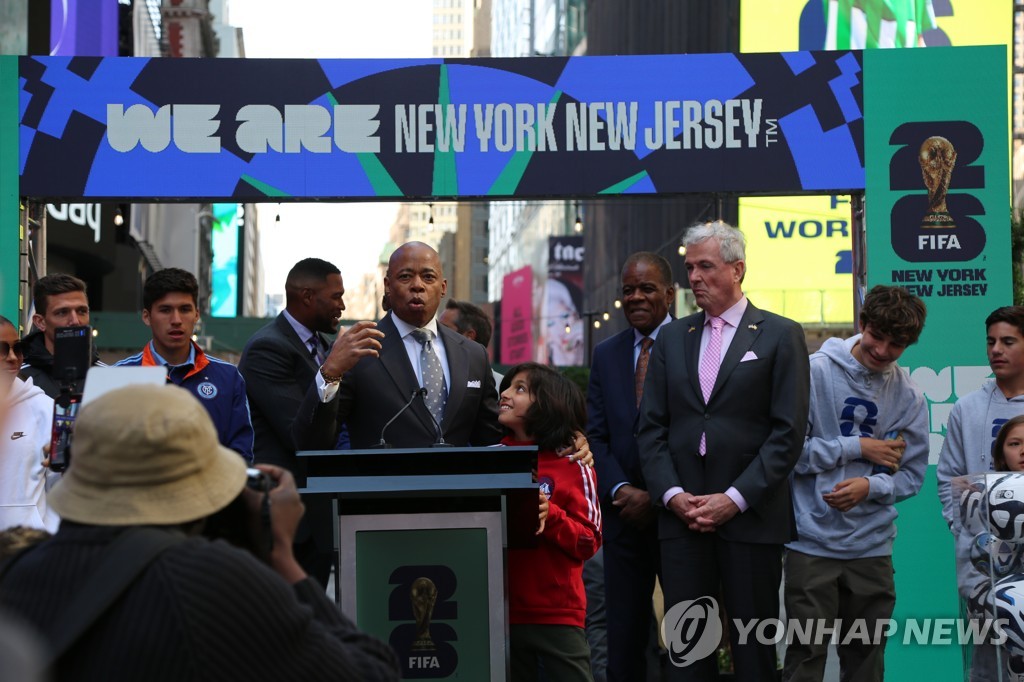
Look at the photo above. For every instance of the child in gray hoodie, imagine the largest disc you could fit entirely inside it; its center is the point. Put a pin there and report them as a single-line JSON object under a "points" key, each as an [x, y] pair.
{"points": [[866, 449]]}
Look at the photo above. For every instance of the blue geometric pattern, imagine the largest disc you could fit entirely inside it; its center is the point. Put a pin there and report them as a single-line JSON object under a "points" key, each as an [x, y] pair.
{"points": [[655, 124]]}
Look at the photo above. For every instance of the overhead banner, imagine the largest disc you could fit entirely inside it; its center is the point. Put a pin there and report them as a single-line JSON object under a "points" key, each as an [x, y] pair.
{"points": [[246, 130]]}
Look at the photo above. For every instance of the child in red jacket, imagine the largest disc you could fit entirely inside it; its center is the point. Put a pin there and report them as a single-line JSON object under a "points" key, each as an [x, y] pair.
{"points": [[547, 604]]}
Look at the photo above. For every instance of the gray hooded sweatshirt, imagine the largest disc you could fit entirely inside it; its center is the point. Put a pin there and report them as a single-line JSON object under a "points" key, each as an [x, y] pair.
{"points": [[849, 401]]}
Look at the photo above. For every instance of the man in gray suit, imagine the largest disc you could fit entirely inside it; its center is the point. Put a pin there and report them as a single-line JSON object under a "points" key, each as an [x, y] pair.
{"points": [[722, 423], [278, 364]]}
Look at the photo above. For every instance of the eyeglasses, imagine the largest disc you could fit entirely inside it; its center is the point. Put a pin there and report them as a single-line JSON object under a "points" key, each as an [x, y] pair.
{"points": [[5, 348]]}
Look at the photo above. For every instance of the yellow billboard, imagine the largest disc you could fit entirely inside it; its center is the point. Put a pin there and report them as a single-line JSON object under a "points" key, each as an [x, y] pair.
{"points": [[799, 247], [799, 259]]}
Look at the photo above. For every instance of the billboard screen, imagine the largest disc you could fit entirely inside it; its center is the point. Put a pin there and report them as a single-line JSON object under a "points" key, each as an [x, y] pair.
{"points": [[227, 220]]}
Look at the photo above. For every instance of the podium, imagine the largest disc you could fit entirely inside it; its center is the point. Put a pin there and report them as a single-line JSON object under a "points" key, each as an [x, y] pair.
{"points": [[422, 535]]}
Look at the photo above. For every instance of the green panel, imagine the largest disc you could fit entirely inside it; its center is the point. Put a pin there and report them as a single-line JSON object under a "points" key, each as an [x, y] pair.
{"points": [[446, 180], [937, 92], [455, 561], [10, 231]]}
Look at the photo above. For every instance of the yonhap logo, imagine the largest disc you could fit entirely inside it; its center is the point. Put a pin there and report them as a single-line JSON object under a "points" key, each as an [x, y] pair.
{"points": [[692, 630]]}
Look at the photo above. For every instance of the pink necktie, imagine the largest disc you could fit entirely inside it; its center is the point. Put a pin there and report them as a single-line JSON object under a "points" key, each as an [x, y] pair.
{"points": [[709, 363]]}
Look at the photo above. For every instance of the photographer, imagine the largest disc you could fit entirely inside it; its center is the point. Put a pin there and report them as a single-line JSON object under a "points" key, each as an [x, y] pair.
{"points": [[149, 471]]}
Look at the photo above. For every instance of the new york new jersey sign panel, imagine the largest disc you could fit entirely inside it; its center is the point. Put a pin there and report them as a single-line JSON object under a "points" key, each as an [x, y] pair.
{"points": [[252, 129]]}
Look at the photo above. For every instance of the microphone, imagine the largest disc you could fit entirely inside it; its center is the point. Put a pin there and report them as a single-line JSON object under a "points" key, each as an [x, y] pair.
{"points": [[439, 443], [383, 443]]}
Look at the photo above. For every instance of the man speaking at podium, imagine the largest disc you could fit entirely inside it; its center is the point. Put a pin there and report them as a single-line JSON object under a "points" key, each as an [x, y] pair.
{"points": [[441, 379]]}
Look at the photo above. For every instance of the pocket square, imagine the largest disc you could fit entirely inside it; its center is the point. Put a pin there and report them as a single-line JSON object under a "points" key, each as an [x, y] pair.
{"points": [[473, 384], [748, 356]]}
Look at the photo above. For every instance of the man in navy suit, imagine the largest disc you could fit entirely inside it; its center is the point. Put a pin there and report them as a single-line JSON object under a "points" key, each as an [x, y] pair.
{"points": [[366, 389], [631, 551], [722, 424]]}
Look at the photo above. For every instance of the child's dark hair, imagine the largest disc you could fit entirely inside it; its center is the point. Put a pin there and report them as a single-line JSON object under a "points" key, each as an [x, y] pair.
{"points": [[895, 312], [559, 409], [997, 448]]}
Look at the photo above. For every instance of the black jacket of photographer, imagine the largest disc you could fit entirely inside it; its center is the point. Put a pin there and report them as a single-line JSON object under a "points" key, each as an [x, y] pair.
{"points": [[202, 610], [38, 365]]}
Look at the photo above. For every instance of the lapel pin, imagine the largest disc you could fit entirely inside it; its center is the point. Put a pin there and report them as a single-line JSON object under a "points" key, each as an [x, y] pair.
{"points": [[691, 329], [752, 326]]}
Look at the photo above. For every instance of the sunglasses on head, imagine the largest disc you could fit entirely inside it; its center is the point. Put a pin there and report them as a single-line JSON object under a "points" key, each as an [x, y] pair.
{"points": [[6, 348]]}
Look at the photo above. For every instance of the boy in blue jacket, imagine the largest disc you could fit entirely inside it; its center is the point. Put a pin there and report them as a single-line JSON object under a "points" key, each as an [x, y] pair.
{"points": [[170, 308]]}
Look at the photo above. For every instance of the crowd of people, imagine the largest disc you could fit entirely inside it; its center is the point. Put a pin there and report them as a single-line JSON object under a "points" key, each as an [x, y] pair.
{"points": [[711, 457]]}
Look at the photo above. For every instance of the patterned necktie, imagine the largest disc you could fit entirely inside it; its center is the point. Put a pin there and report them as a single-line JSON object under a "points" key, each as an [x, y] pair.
{"points": [[314, 349], [433, 374], [709, 363], [641, 367]]}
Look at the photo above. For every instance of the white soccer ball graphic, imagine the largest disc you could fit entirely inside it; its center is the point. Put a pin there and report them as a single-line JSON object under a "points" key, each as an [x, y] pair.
{"points": [[1008, 598], [972, 505], [1006, 508]]}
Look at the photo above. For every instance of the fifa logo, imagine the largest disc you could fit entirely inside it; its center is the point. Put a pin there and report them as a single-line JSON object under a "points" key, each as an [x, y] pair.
{"points": [[935, 165]]}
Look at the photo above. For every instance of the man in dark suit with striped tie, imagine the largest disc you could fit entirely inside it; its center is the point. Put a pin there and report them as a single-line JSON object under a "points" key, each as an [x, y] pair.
{"points": [[631, 551], [278, 364]]}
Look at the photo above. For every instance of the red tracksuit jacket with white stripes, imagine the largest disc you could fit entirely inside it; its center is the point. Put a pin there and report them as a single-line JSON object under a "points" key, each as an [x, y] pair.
{"points": [[545, 583]]}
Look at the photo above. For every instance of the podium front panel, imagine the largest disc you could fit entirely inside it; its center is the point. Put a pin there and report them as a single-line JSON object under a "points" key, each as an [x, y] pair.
{"points": [[431, 586]]}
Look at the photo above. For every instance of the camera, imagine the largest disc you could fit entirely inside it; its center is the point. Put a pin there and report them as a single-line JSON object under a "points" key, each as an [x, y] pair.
{"points": [[241, 525], [72, 355], [258, 481]]}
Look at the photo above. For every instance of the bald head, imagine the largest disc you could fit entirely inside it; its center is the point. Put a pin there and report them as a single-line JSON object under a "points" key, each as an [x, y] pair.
{"points": [[415, 283]]}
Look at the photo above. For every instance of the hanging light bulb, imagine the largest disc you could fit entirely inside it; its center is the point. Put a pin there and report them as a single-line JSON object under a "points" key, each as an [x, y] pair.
{"points": [[430, 221], [618, 304], [118, 217], [579, 219]]}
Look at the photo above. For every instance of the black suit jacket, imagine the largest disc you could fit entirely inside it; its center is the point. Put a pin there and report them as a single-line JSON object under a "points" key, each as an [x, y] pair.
{"points": [[611, 423], [277, 368], [376, 388], [612, 414], [755, 421]]}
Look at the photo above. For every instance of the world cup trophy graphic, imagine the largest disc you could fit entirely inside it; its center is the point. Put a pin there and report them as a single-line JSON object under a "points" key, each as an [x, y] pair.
{"points": [[937, 158], [423, 594]]}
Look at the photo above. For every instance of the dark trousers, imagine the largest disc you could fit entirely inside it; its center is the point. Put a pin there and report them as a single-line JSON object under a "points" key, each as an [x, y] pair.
{"points": [[632, 559], [314, 539], [561, 650], [746, 575], [844, 589]]}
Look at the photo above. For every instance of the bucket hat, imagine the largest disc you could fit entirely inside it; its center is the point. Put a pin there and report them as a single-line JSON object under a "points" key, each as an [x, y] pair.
{"points": [[146, 455]]}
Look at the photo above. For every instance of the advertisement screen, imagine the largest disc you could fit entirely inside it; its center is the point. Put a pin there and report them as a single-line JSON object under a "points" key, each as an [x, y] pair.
{"points": [[226, 228]]}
